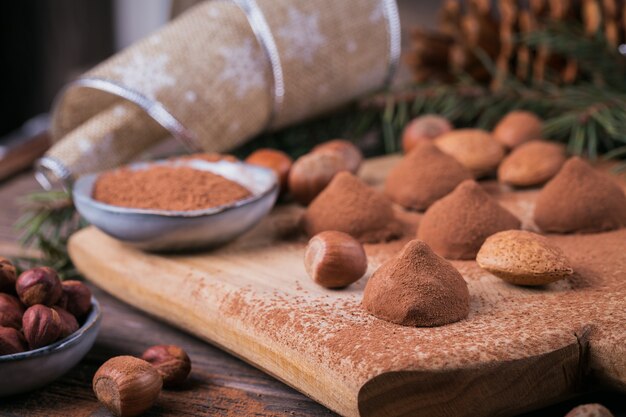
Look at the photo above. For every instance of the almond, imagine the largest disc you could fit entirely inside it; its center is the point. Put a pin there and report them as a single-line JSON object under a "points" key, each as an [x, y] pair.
{"points": [[518, 127], [523, 258], [532, 163], [475, 149]]}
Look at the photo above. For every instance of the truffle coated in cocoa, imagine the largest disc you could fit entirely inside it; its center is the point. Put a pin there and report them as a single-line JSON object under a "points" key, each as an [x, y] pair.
{"points": [[579, 199], [349, 205], [417, 288], [423, 176], [456, 226]]}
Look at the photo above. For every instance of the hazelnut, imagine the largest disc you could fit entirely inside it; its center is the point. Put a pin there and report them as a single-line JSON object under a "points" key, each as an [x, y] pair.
{"points": [[11, 341], [334, 259], [424, 129], [311, 173], [39, 286], [518, 127], [68, 322], [41, 325], [276, 160], [170, 361], [8, 275], [351, 155], [76, 298], [590, 410], [127, 386], [11, 311]]}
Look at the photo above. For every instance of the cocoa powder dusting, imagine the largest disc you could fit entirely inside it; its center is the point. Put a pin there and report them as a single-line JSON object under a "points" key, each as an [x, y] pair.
{"points": [[348, 205], [167, 188], [334, 333]]}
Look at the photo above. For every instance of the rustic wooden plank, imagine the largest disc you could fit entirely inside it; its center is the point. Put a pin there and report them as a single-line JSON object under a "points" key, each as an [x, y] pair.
{"points": [[520, 349], [219, 385]]}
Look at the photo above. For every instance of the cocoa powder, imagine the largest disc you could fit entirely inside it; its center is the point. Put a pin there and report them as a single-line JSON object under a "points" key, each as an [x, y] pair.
{"points": [[167, 188], [349, 205]]}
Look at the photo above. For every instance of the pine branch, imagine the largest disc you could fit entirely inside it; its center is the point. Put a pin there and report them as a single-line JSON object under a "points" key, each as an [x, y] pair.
{"points": [[49, 220], [598, 61]]}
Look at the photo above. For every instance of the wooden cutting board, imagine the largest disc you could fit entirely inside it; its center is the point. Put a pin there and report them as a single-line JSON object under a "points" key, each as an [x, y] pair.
{"points": [[520, 348]]}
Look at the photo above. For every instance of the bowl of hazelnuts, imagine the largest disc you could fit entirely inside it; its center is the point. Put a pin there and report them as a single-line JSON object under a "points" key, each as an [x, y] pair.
{"points": [[46, 326]]}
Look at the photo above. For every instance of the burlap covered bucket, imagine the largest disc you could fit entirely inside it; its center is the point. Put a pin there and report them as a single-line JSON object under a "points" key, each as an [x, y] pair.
{"points": [[220, 74]]}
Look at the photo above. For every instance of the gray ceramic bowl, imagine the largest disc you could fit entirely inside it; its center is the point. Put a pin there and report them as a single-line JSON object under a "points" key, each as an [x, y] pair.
{"points": [[161, 230], [26, 371]]}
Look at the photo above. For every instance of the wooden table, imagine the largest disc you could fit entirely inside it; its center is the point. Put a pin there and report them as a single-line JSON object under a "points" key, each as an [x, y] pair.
{"points": [[220, 384]]}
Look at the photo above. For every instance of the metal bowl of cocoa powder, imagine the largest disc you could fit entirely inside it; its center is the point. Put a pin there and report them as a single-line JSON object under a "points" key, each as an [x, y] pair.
{"points": [[177, 204]]}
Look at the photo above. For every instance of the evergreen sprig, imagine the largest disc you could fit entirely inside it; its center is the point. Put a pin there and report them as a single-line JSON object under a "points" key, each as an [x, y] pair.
{"points": [[50, 218], [590, 116]]}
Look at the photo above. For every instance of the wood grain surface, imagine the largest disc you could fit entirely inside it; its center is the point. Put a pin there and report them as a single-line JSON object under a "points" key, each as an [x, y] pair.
{"points": [[520, 349]]}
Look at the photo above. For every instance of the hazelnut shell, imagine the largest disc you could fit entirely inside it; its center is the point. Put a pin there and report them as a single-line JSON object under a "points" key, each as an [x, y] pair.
{"points": [[41, 325], [127, 386], [39, 286], [424, 129], [68, 322], [335, 259], [348, 151], [311, 173], [8, 275], [11, 311], [11, 341], [171, 362], [76, 298], [276, 160]]}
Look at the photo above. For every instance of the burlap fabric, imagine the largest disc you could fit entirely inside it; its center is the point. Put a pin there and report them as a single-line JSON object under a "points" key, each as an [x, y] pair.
{"points": [[209, 77]]}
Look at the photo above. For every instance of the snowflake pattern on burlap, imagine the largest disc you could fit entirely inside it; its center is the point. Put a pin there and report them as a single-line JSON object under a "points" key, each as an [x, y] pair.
{"points": [[92, 151], [243, 67], [302, 36], [146, 74], [378, 13]]}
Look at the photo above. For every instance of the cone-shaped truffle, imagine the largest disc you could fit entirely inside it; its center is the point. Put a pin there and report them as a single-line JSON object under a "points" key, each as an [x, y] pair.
{"points": [[417, 288], [579, 199], [456, 226], [348, 205], [424, 176]]}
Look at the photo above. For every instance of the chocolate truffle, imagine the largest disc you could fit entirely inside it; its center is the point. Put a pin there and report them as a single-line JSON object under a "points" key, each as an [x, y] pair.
{"points": [[349, 205], [518, 127], [579, 199], [532, 163], [417, 288], [523, 258], [424, 176], [475, 149], [456, 226]]}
